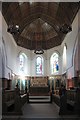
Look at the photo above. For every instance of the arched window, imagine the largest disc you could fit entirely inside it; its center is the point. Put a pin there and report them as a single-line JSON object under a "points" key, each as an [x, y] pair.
{"points": [[22, 70], [22, 63], [39, 65], [54, 63]]}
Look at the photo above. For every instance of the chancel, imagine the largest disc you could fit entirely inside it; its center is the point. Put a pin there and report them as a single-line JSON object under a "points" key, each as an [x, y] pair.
{"points": [[40, 60]]}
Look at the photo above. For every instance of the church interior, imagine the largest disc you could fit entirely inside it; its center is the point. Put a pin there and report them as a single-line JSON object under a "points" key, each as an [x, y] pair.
{"points": [[39, 53]]}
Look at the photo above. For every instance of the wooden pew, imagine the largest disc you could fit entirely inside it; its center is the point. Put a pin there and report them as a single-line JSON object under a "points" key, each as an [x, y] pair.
{"points": [[10, 104], [71, 99], [7, 101]]}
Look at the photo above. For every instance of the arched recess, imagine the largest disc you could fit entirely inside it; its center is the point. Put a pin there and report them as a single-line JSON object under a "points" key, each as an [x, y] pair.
{"points": [[76, 58], [54, 63], [39, 64], [76, 55], [73, 74]]}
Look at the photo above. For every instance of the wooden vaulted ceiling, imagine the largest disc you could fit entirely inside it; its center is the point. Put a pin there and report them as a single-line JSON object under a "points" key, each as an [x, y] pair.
{"points": [[39, 22]]}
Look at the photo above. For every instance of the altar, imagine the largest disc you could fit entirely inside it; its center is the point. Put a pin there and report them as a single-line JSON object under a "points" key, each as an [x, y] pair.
{"points": [[39, 86], [39, 90]]}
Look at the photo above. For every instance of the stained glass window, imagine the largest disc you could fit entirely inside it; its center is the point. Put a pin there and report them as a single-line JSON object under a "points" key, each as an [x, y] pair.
{"points": [[54, 63], [39, 65], [21, 60]]}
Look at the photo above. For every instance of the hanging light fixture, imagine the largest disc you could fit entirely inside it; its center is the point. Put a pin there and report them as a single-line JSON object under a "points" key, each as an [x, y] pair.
{"points": [[39, 51], [65, 28], [13, 29]]}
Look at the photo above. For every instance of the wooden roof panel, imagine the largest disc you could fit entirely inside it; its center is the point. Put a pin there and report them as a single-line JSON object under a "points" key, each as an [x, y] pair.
{"points": [[39, 22]]}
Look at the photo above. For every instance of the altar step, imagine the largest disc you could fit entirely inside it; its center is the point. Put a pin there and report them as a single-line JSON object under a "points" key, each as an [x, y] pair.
{"points": [[39, 99]]}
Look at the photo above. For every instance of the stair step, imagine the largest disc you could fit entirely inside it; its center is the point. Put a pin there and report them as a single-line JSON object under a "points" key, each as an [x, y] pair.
{"points": [[40, 99]]}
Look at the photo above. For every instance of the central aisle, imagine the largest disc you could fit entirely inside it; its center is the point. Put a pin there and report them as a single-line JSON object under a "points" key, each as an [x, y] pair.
{"points": [[44, 111], [40, 110]]}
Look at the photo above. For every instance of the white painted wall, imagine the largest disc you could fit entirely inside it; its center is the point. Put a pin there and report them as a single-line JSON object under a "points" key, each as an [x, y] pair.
{"points": [[9, 50], [46, 56], [70, 40]]}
